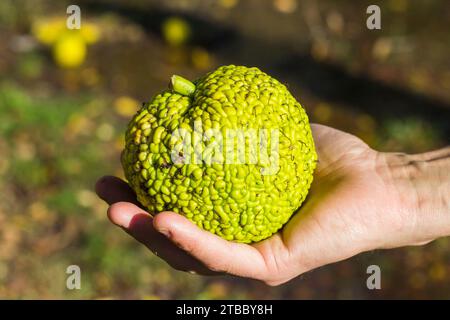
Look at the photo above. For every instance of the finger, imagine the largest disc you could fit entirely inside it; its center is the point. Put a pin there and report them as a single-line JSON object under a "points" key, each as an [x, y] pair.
{"points": [[320, 134], [138, 224], [332, 144], [215, 253], [324, 139], [319, 130], [112, 190]]}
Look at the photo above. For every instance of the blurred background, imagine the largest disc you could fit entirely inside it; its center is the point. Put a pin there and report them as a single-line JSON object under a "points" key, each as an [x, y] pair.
{"points": [[67, 95]]}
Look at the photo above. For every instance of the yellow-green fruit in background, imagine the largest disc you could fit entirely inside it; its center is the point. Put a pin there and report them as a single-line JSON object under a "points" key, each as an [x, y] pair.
{"points": [[69, 46], [69, 51], [245, 197], [176, 31]]}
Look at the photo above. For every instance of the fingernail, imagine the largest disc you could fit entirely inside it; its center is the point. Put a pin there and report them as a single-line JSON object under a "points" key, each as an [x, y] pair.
{"points": [[165, 232]]}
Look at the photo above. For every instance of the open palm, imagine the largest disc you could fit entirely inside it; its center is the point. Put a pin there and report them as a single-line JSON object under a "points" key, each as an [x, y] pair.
{"points": [[350, 209]]}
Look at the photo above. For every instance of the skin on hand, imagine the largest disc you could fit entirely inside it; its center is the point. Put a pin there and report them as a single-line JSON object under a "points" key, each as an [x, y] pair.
{"points": [[360, 200]]}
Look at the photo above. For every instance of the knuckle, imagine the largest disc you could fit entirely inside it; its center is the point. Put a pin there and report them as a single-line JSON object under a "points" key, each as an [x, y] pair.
{"points": [[275, 280], [216, 267], [274, 283]]}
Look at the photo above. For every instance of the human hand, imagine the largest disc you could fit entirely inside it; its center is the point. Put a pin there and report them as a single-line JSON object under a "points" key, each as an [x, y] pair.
{"points": [[360, 200]]}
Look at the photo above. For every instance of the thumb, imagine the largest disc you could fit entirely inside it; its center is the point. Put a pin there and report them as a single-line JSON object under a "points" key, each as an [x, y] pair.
{"points": [[216, 253]]}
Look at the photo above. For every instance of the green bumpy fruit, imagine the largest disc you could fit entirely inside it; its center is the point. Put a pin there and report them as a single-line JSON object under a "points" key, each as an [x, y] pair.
{"points": [[237, 200]]}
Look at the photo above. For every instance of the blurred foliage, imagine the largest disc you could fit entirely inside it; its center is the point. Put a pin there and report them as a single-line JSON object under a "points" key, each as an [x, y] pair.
{"points": [[61, 128]]}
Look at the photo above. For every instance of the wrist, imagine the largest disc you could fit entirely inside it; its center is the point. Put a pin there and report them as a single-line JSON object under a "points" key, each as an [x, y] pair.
{"points": [[421, 187], [397, 172]]}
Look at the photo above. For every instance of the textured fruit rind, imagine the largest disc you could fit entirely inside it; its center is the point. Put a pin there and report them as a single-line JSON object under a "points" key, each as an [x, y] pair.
{"points": [[234, 201]]}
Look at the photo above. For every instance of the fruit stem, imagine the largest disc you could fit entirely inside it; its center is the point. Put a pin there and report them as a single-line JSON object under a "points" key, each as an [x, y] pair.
{"points": [[181, 85]]}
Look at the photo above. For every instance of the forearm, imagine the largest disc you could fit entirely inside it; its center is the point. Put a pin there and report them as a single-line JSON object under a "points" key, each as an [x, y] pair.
{"points": [[422, 183]]}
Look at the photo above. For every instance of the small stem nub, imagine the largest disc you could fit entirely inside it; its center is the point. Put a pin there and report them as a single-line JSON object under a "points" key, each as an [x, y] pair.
{"points": [[181, 85]]}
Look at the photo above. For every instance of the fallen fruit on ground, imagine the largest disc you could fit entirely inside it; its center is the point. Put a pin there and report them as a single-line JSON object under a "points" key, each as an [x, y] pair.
{"points": [[231, 151]]}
